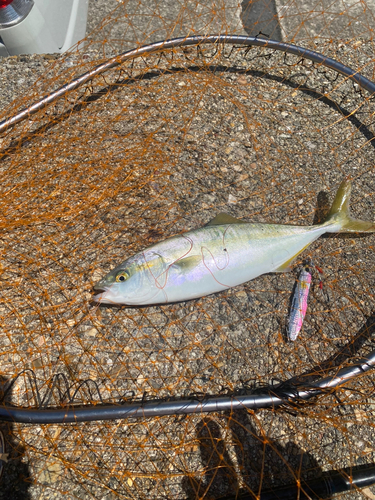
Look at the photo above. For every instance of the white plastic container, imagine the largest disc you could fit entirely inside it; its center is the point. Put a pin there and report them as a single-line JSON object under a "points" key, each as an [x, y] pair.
{"points": [[41, 26]]}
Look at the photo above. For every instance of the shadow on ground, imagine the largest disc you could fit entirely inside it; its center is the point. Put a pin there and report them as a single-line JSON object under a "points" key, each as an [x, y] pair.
{"points": [[16, 478], [261, 465]]}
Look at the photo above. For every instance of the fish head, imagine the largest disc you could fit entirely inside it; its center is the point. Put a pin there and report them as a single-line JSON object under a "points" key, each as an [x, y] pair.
{"points": [[130, 283]]}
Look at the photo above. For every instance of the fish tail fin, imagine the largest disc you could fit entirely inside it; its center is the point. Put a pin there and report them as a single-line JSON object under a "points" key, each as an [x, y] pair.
{"points": [[339, 215]]}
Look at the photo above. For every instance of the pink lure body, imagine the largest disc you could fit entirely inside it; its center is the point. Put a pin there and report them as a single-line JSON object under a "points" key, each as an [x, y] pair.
{"points": [[299, 304]]}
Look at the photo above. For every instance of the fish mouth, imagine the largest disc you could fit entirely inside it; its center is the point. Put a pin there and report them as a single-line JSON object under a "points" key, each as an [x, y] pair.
{"points": [[103, 298], [99, 295], [102, 286], [99, 292]]}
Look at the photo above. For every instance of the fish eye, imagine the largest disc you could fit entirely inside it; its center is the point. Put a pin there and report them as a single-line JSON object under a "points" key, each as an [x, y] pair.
{"points": [[122, 276]]}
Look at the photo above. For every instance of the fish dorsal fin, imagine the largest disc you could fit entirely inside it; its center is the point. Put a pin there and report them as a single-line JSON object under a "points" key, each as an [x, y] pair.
{"points": [[223, 218]]}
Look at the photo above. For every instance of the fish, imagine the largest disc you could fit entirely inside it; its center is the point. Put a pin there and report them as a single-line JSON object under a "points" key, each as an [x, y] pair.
{"points": [[224, 253], [299, 303]]}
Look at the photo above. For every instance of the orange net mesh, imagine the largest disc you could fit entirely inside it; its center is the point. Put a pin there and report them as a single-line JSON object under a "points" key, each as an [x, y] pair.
{"points": [[154, 147]]}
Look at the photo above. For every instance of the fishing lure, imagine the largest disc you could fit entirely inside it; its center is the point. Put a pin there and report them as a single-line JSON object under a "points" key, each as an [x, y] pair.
{"points": [[223, 254], [299, 302]]}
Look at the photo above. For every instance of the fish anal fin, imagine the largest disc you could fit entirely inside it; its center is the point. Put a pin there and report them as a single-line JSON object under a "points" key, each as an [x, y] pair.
{"points": [[286, 266], [224, 218], [188, 263]]}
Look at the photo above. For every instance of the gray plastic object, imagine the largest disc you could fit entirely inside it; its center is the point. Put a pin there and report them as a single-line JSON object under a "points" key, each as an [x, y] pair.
{"points": [[49, 26]]}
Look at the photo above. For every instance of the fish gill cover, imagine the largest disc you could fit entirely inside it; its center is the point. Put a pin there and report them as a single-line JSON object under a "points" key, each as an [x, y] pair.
{"points": [[155, 146]]}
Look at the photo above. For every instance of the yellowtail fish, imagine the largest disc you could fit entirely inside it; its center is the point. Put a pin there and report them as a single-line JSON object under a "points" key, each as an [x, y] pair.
{"points": [[224, 253]]}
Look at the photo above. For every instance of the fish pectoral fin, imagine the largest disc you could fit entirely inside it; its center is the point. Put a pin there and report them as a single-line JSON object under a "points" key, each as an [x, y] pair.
{"points": [[224, 218], [188, 263]]}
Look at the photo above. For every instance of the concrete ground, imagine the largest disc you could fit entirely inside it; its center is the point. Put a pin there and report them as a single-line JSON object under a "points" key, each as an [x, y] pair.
{"points": [[320, 141], [309, 20], [279, 19]]}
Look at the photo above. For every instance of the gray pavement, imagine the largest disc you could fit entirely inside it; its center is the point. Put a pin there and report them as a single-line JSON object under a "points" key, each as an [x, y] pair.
{"points": [[154, 20], [278, 110], [260, 17], [312, 19], [309, 20], [279, 19]]}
